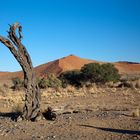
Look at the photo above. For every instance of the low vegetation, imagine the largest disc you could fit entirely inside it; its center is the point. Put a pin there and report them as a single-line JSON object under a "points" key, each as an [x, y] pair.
{"points": [[73, 77], [51, 81], [91, 73]]}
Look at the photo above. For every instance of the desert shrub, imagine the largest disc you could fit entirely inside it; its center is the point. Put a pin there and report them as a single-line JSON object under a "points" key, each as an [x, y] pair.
{"points": [[96, 73], [91, 72], [17, 83], [109, 73], [130, 83], [50, 81], [42, 83], [71, 78]]}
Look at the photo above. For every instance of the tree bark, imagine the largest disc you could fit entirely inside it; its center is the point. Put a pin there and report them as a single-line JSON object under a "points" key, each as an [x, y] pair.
{"points": [[31, 109]]}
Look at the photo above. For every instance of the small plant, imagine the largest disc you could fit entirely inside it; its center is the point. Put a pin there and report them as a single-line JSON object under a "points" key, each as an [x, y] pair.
{"points": [[42, 83], [51, 81]]}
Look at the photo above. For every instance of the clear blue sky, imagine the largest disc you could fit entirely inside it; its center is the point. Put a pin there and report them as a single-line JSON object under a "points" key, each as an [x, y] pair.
{"points": [[105, 30]]}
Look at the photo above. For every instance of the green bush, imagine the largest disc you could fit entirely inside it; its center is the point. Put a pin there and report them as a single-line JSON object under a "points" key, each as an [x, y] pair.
{"points": [[109, 73], [17, 83], [71, 77], [91, 72], [51, 81], [96, 73]]}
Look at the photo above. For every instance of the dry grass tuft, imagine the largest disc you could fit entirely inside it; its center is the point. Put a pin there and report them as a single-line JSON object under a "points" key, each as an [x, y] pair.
{"points": [[136, 112], [138, 83], [70, 89]]}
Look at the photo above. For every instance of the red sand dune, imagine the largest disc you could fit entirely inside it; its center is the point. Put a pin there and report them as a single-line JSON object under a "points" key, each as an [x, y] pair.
{"points": [[128, 68], [71, 62]]}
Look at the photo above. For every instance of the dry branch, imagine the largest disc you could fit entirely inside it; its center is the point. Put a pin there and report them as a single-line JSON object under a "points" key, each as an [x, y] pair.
{"points": [[32, 96]]}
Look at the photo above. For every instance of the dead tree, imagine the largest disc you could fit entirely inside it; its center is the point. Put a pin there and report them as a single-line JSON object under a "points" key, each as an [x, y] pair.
{"points": [[31, 109]]}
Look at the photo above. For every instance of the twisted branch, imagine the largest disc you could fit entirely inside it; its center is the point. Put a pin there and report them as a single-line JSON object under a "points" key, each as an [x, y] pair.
{"points": [[32, 97]]}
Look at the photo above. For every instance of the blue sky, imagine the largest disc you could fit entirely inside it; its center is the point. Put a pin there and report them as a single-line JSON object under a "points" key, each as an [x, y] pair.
{"points": [[105, 30]]}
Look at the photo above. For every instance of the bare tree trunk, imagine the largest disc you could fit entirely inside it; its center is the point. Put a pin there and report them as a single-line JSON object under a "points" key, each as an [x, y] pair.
{"points": [[32, 93]]}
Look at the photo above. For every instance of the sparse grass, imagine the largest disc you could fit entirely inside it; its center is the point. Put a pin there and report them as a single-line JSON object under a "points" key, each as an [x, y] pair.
{"points": [[14, 99]]}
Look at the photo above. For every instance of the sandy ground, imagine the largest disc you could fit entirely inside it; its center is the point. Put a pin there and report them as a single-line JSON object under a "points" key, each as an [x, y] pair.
{"points": [[98, 116]]}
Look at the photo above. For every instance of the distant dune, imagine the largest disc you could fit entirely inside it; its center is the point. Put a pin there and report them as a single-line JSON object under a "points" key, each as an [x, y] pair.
{"points": [[72, 62]]}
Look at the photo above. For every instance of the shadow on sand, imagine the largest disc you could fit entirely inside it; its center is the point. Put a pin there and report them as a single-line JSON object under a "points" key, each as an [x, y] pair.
{"points": [[12, 115], [120, 131]]}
